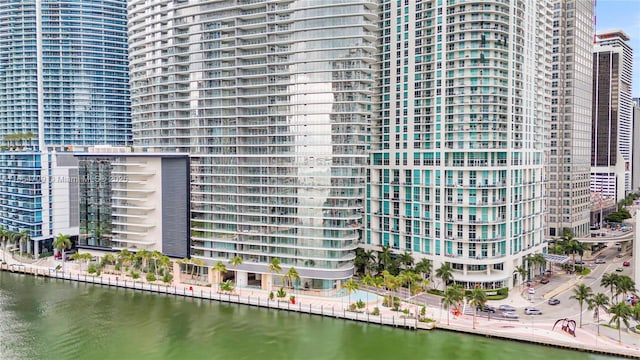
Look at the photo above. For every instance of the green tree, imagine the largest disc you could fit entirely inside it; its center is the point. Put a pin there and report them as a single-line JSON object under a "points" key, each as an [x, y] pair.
{"points": [[406, 260], [477, 298], [522, 272], [621, 313], [227, 286], [625, 285], [235, 262], [369, 281], [275, 268], [424, 268], [597, 302], [351, 286], [61, 243], [23, 237], [452, 297], [610, 280], [384, 258], [219, 269], [582, 293], [445, 273], [292, 275], [4, 236]]}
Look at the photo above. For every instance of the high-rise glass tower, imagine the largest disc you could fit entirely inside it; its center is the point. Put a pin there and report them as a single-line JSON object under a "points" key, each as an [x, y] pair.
{"points": [[458, 149], [64, 84], [272, 99], [611, 153], [569, 154]]}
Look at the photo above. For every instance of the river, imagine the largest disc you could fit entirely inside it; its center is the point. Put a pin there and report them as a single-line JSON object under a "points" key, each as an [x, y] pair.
{"points": [[42, 318]]}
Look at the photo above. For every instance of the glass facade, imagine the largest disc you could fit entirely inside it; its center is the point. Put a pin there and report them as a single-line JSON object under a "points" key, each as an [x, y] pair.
{"points": [[95, 174], [457, 148], [273, 101], [568, 166], [64, 84]]}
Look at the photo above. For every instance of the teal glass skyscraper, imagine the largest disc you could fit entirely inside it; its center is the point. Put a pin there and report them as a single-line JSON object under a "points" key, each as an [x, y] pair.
{"points": [[64, 85]]}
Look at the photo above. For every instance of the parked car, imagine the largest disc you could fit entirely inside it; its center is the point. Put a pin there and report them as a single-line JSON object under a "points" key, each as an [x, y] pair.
{"points": [[626, 263], [506, 308], [531, 291], [486, 308], [579, 262], [544, 281], [553, 301], [619, 269], [600, 261], [532, 311], [510, 315]]}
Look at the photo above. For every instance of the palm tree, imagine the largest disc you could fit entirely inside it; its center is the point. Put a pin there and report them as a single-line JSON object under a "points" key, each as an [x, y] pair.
{"points": [[124, 258], [350, 286], [445, 273], [107, 260], [219, 268], [597, 302], [292, 275], [61, 243], [582, 293], [424, 268], [406, 260], [384, 258], [23, 237], [621, 312], [625, 285], [274, 267], [391, 283], [477, 298], [369, 281], [363, 260], [197, 264], [539, 261], [452, 296], [4, 235], [610, 280], [522, 272]]}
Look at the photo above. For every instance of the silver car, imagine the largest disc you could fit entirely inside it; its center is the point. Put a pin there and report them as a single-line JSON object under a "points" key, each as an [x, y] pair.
{"points": [[532, 311], [506, 308], [510, 315]]}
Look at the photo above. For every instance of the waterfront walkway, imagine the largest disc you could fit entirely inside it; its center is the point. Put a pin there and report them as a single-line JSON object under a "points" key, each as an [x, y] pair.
{"points": [[539, 332]]}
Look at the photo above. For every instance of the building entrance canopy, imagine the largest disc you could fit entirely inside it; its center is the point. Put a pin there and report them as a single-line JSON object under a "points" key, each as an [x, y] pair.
{"points": [[556, 259]]}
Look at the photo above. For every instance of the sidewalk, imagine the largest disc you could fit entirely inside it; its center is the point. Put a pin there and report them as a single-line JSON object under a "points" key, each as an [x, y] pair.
{"points": [[527, 329]]}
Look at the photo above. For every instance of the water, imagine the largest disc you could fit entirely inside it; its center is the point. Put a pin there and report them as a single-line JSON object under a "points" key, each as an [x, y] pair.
{"points": [[50, 319]]}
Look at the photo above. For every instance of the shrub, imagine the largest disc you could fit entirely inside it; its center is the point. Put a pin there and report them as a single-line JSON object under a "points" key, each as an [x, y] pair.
{"points": [[352, 307], [435, 292], [391, 301], [135, 275], [271, 296], [426, 320], [376, 311], [92, 269], [117, 267], [167, 277], [405, 311], [423, 311], [281, 294], [360, 304], [151, 277]]}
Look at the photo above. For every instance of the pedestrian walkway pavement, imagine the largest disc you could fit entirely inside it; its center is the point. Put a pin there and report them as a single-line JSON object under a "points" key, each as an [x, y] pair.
{"points": [[526, 329]]}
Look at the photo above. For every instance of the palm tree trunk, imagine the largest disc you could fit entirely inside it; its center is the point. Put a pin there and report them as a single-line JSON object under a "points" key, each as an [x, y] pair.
{"points": [[474, 319]]}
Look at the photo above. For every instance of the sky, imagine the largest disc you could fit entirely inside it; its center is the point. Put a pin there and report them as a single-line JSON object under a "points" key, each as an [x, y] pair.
{"points": [[624, 15]]}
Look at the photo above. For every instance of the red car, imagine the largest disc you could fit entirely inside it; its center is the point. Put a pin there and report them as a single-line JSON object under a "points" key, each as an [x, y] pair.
{"points": [[626, 263]]}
